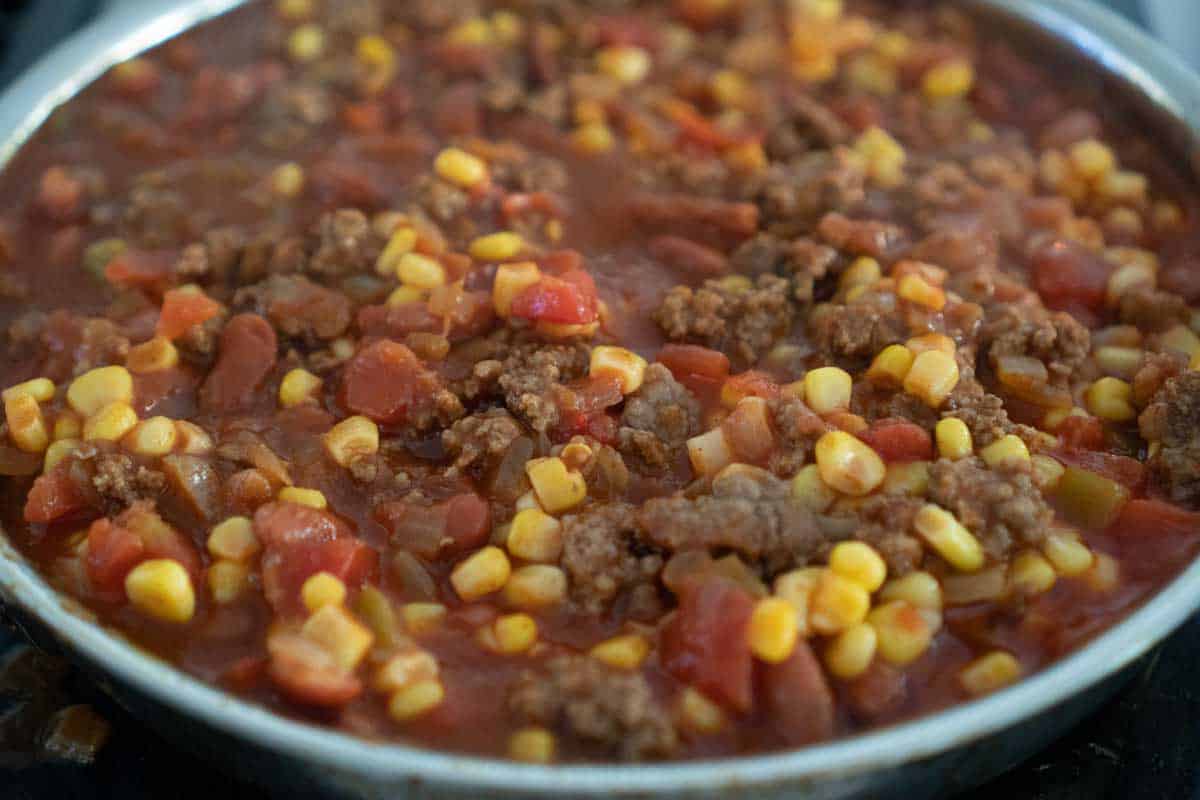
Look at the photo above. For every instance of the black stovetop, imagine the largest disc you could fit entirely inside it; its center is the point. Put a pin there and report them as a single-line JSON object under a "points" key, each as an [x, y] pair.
{"points": [[1144, 744]]}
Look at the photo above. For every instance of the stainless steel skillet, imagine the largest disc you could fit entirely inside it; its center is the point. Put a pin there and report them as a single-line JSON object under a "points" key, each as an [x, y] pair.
{"points": [[933, 756]]}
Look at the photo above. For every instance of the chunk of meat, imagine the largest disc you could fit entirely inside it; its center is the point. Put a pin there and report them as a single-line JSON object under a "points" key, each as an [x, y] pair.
{"points": [[345, 244], [112, 480], [247, 356], [1152, 310], [1001, 505], [658, 419], [1173, 420], [742, 323], [859, 330], [388, 383], [299, 308], [481, 439], [982, 412], [1055, 339], [614, 710], [531, 371], [604, 557], [705, 644]]}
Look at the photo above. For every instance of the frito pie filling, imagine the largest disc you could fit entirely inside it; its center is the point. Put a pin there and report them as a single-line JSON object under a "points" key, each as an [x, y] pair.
{"points": [[600, 380]]}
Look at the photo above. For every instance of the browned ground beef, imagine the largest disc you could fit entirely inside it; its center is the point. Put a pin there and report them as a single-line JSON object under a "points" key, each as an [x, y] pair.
{"points": [[885, 523], [298, 308], [982, 412], [1001, 505], [859, 330], [345, 244], [1152, 309], [481, 438], [1154, 370], [799, 428], [742, 323], [658, 419], [1055, 339], [603, 557], [1173, 420], [531, 371]]}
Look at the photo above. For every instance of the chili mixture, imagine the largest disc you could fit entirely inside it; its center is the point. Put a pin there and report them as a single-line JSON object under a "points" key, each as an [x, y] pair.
{"points": [[600, 380]]}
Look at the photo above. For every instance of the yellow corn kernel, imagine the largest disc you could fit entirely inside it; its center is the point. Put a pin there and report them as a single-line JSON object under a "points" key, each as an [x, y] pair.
{"points": [[837, 603], [953, 438], [893, 45], [507, 26], [810, 490], [884, 156], [313, 498], [625, 64], [339, 633], [532, 746], [26, 425], [1105, 574], [626, 365], [227, 580], [949, 538], [1006, 449], [989, 673], [57, 451], [460, 168], [622, 652], [863, 271], [67, 425], [535, 536], [852, 651], [40, 389], [420, 271], [860, 563], [872, 73], [374, 51], [700, 714], [299, 386], [772, 631], [729, 88], [1127, 277], [576, 455], [1121, 362], [536, 586], [294, 10], [1110, 399], [404, 669], [563, 330], [594, 138], [511, 280], [1166, 215], [1046, 472], [100, 387], [416, 700], [1123, 186], [918, 589], [557, 488], [1069, 556], [403, 295], [352, 439], [110, 423], [192, 439], [287, 180], [482, 573], [306, 43], [710, 452], [234, 540], [933, 376], [903, 633], [797, 588], [1091, 159], [402, 242], [420, 618], [931, 341], [322, 589], [510, 635], [1031, 573], [849, 465], [827, 389], [891, 366], [500, 246], [161, 588], [949, 80], [916, 289], [1181, 339], [911, 478], [152, 437]]}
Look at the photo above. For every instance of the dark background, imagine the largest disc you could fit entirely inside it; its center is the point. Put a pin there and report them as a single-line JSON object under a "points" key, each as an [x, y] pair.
{"points": [[1145, 744]]}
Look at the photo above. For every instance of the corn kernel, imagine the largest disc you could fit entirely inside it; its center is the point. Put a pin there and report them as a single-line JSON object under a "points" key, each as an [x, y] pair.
{"points": [[161, 588], [287, 180], [110, 423], [916, 289], [989, 673], [57, 451], [339, 633], [192, 439], [1069, 556], [810, 490], [420, 618], [405, 669], [1105, 574], [1006, 449], [313, 498], [622, 652], [848, 465], [1181, 339], [1123, 186], [594, 138], [933, 376], [401, 242], [837, 603], [827, 389], [306, 43], [891, 366], [772, 631], [460, 168], [938, 342], [1031, 573], [903, 634], [511, 280], [863, 271], [299, 386], [511, 634], [403, 295], [910, 478], [557, 488], [100, 387], [484, 572], [532, 746], [949, 80], [884, 156], [860, 563], [535, 536], [625, 64], [1121, 362], [497, 246], [227, 580], [352, 439], [26, 425], [294, 10], [918, 589], [797, 588], [67, 425], [40, 389], [728, 88], [953, 438], [152, 437], [946, 535], [1126, 278], [420, 271], [699, 713], [1046, 472], [626, 365], [851, 653], [1111, 399], [416, 700], [322, 589], [234, 540], [507, 26], [576, 455], [1091, 159], [536, 586]]}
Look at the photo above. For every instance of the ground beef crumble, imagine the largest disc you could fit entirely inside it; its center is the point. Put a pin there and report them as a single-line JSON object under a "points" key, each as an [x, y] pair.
{"points": [[658, 419], [742, 323], [1001, 505], [1173, 420]]}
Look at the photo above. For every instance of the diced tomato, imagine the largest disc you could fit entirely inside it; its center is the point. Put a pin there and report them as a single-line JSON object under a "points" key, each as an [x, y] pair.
{"points": [[247, 355], [307, 673], [284, 524], [396, 322], [687, 361], [798, 701], [468, 521], [285, 569], [159, 539], [566, 300], [466, 313], [626, 29], [517, 204], [1128, 472], [592, 394], [695, 128], [898, 441], [1081, 433], [1154, 537], [112, 551], [1145, 519], [705, 644], [748, 430], [386, 382], [245, 673], [53, 496], [60, 194], [183, 309], [1069, 277], [603, 428], [752, 383], [141, 269], [365, 117]]}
